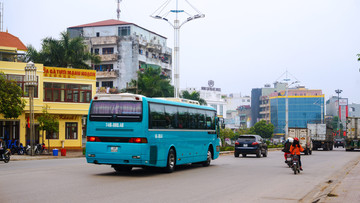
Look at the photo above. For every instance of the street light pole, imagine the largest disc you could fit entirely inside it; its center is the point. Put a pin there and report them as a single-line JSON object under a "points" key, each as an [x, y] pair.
{"points": [[287, 108], [31, 81], [338, 91], [177, 25]]}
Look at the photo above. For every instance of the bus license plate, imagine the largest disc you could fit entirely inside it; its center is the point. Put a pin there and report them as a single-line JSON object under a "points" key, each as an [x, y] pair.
{"points": [[114, 149]]}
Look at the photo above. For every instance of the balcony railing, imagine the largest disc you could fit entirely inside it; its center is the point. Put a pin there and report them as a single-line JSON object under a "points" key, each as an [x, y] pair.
{"points": [[108, 57], [104, 40], [106, 74]]}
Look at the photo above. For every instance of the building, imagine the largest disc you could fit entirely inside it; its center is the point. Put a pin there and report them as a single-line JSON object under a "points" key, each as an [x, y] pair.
{"points": [[233, 103], [345, 110], [354, 110], [66, 92], [125, 48], [260, 105], [304, 106], [213, 97]]}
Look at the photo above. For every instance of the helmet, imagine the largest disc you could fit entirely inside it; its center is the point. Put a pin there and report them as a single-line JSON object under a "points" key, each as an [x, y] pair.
{"points": [[296, 139], [290, 139]]}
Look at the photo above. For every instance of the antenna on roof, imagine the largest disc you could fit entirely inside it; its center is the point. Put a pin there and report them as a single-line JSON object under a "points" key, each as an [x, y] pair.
{"points": [[1, 16], [118, 9]]}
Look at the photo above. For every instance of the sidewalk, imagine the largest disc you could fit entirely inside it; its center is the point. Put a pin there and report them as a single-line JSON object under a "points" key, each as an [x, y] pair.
{"points": [[69, 154], [348, 189]]}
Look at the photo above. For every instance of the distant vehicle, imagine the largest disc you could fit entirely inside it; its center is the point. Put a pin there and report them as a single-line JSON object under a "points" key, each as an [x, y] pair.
{"points": [[304, 138], [352, 140], [321, 136], [339, 142], [128, 130], [250, 144]]}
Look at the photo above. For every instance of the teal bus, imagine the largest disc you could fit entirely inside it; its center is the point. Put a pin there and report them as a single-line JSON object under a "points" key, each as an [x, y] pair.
{"points": [[128, 130]]}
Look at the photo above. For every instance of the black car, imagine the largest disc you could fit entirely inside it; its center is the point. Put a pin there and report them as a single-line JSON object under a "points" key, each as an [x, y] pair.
{"points": [[339, 142], [250, 144]]}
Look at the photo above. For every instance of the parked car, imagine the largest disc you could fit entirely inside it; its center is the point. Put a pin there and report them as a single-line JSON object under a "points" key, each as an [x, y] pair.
{"points": [[250, 144], [339, 142]]}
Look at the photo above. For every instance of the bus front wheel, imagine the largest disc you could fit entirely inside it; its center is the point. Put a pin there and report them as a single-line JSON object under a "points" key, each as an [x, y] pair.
{"points": [[170, 166]]}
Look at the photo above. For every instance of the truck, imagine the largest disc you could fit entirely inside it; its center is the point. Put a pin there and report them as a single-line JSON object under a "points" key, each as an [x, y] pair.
{"points": [[352, 140], [304, 138], [321, 136]]}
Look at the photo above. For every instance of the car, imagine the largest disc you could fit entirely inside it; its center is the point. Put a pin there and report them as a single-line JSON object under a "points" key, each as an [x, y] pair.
{"points": [[339, 142], [250, 144]]}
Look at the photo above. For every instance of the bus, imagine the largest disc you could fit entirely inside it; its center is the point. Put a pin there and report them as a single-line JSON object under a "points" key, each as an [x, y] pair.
{"points": [[129, 130]]}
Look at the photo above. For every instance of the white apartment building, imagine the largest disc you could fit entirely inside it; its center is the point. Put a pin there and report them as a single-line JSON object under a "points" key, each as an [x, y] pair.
{"points": [[124, 48]]}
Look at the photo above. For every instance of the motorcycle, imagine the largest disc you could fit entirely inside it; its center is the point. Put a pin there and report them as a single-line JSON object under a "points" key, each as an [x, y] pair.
{"points": [[288, 160], [16, 148], [295, 164], [5, 156]]}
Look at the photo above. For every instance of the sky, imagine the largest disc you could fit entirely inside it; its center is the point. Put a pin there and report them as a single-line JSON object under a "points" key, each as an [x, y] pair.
{"points": [[240, 44]]}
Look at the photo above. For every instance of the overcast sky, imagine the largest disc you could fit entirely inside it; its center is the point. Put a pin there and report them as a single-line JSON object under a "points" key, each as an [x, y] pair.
{"points": [[240, 44]]}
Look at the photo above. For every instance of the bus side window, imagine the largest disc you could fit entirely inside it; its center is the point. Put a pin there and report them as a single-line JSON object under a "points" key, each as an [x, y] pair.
{"points": [[201, 121], [192, 119], [171, 112], [183, 117], [157, 116]]}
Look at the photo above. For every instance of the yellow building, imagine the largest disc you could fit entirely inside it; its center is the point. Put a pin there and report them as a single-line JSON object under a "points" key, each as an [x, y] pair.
{"points": [[67, 94]]}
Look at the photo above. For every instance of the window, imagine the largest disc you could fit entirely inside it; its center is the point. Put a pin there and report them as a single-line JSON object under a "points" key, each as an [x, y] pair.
{"points": [[60, 92], [124, 31], [19, 79], [104, 67], [71, 130], [54, 135], [107, 84], [172, 117], [157, 116], [107, 50], [98, 34], [97, 51]]}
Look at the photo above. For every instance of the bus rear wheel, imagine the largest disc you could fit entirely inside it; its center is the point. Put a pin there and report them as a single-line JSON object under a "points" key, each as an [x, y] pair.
{"points": [[208, 159], [170, 166]]}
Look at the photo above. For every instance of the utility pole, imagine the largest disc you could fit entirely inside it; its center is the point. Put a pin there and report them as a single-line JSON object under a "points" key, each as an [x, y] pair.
{"points": [[338, 91], [118, 11], [177, 25]]}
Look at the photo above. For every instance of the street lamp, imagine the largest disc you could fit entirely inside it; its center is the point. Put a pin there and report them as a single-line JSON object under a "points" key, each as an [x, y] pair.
{"points": [[338, 91], [287, 107], [177, 25], [31, 81]]}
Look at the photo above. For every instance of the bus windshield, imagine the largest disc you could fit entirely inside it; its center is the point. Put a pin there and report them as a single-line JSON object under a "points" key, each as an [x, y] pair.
{"points": [[116, 111]]}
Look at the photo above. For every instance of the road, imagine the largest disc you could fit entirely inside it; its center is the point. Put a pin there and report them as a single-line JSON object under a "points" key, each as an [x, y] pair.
{"points": [[228, 179]]}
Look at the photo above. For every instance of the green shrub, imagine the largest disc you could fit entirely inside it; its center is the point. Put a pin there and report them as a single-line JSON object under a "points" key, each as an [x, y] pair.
{"points": [[227, 148]]}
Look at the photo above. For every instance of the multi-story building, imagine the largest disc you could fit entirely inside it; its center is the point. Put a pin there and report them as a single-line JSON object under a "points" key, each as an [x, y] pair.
{"points": [[65, 92], [304, 106], [260, 106], [244, 113], [233, 103], [125, 48], [213, 98], [339, 107]]}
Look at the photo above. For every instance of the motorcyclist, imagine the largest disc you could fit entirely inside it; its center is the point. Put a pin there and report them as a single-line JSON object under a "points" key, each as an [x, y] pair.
{"points": [[296, 148], [287, 145]]}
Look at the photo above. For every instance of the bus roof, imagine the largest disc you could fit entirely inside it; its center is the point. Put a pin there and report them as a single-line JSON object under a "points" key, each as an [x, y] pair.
{"points": [[138, 97]]}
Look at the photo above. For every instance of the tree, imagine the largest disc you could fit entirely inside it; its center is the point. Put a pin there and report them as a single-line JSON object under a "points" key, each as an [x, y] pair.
{"points": [[48, 123], [263, 129], [193, 96], [226, 133], [66, 52], [152, 83], [11, 103]]}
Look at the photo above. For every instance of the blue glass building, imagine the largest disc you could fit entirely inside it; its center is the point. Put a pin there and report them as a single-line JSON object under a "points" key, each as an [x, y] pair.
{"points": [[302, 110]]}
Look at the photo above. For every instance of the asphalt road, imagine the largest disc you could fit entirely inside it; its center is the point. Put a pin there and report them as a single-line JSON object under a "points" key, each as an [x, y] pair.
{"points": [[228, 179]]}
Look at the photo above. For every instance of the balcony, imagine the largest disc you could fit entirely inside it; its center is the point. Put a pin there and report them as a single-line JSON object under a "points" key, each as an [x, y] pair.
{"points": [[103, 40], [108, 57], [106, 74]]}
